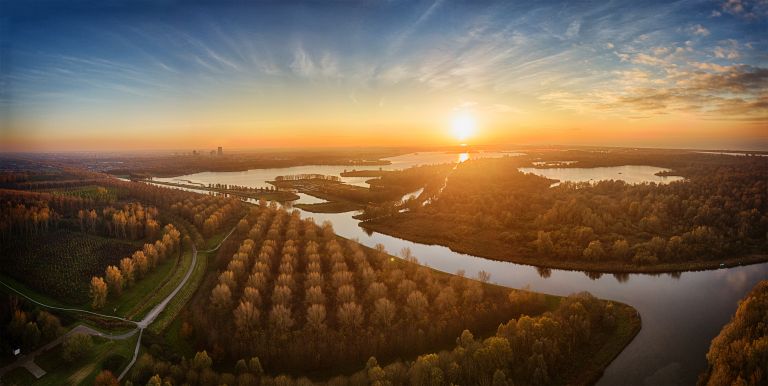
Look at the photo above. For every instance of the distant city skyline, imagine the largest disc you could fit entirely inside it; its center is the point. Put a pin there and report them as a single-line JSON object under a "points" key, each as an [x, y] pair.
{"points": [[88, 76]]}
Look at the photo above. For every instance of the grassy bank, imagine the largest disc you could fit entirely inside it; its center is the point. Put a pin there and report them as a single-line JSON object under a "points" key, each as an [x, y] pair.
{"points": [[135, 301], [176, 304], [82, 371], [158, 288]]}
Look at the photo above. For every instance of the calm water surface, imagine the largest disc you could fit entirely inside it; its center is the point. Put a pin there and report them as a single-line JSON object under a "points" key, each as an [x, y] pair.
{"points": [[258, 178], [681, 313], [633, 174]]}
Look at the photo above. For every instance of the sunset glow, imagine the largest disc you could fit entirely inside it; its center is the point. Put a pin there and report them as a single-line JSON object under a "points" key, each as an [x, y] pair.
{"points": [[383, 192], [464, 126], [682, 74]]}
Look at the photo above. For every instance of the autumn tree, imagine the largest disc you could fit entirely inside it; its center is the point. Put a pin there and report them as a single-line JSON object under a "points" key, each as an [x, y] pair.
{"points": [[594, 251], [106, 378], [115, 281], [127, 269], [75, 346], [221, 298], [50, 325], [737, 356], [141, 263], [98, 292], [316, 316], [350, 315]]}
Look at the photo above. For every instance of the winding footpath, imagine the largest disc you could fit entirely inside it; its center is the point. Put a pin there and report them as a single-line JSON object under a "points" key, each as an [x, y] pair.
{"points": [[152, 315], [28, 360], [64, 308]]}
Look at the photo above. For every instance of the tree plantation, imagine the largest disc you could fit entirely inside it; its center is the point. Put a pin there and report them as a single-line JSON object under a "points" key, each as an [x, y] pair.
{"points": [[551, 348], [133, 268], [297, 296], [111, 281], [302, 300], [383, 193]]}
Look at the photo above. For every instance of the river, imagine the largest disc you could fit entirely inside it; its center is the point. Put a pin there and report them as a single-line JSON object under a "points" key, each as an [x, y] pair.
{"points": [[681, 313]]}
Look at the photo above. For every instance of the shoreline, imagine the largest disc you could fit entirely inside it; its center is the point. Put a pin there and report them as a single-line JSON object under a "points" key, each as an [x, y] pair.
{"points": [[601, 268], [276, 195]]}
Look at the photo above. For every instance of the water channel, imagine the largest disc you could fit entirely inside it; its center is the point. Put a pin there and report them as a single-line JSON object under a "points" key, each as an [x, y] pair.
{"points": [[681, 313]]}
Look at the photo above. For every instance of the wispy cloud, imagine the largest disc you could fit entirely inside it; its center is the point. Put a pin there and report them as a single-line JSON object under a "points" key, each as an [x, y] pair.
{"points": [[400, 39], [748, 9], [305, 65], [610, 58]]}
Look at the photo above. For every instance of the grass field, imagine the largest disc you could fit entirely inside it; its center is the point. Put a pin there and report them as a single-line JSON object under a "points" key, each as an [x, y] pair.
{"points": [[182, 297], [137, 300], [29, 292], [96, 193], [161, 290], [83, 371]]}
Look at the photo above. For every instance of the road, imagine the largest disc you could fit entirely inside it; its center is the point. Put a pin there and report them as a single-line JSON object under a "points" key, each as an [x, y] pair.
{"points": [[27, 360]]}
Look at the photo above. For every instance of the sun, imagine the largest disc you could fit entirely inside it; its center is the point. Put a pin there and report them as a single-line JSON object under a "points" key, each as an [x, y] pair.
{"points": [[464, 126]]}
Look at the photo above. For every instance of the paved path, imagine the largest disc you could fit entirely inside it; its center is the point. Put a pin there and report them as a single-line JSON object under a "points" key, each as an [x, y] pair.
{"points": [[155, 312], [152, 314], [135, 355], [28, 360]]}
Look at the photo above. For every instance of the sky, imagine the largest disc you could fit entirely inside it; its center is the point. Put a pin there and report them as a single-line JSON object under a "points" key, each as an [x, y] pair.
{"points": [[113, 75]]}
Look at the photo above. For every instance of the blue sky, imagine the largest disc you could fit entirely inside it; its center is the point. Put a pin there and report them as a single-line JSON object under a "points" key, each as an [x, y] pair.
{"points": [[95, 69]]}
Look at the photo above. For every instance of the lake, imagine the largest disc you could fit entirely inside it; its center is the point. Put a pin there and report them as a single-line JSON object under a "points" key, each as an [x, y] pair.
{"points": [[633, 174], [681, 313], [257, 178]]}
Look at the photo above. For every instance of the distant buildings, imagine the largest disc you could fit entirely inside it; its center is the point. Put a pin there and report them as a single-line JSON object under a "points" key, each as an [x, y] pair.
{"points": [[213, 153]]}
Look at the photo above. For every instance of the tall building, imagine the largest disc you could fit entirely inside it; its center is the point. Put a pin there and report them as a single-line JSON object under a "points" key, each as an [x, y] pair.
{"points": [[221, 151]]}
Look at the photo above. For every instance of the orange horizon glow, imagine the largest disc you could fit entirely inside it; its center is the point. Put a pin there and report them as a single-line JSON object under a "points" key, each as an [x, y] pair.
{"points": [[431, 130], [453, 74]]}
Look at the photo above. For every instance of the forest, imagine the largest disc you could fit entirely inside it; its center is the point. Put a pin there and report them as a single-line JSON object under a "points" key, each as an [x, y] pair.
{"points": [[284, 300], [564, 346], [92, 231], [288, 296], [283, 295], [739, 354], [717, 215]]}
